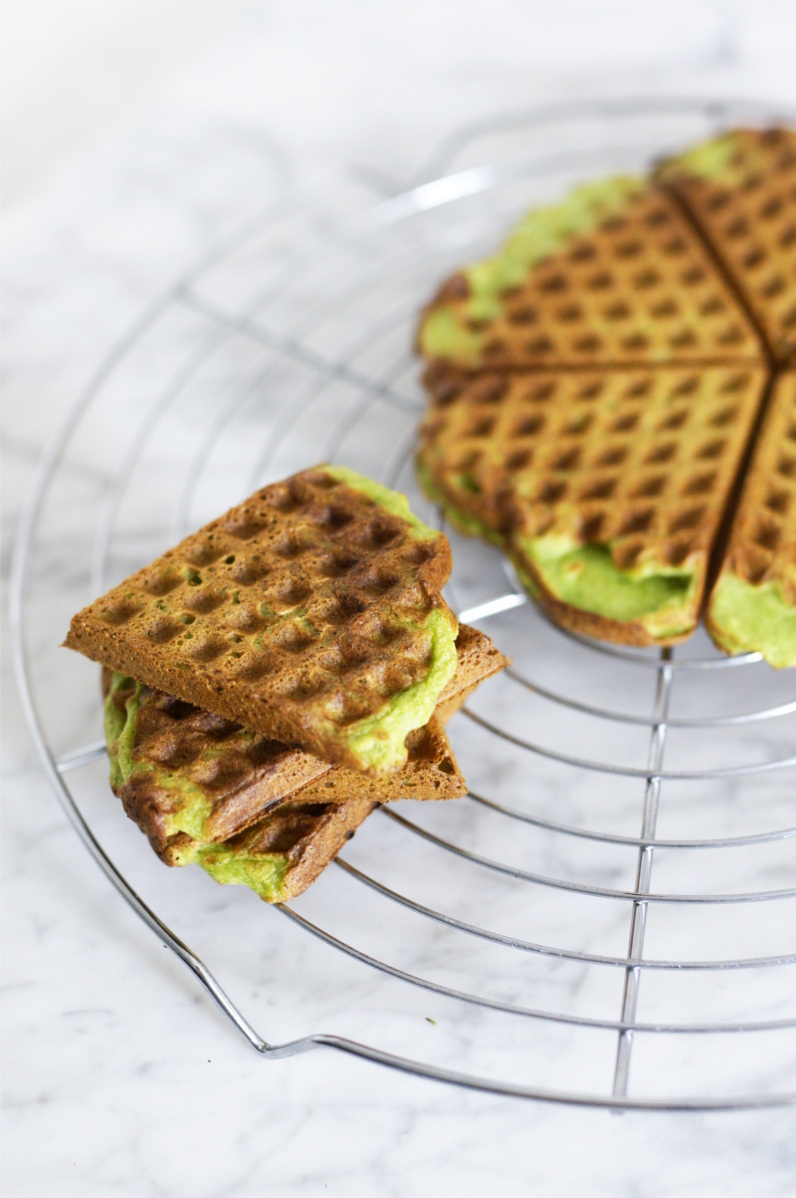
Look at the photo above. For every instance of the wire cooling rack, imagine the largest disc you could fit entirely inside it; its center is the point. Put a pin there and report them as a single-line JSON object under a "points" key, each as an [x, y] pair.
{"points": [[607, 918]]}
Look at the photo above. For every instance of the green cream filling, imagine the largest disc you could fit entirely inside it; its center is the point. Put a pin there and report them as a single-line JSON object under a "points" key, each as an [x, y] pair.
{"points": [[262, 872], [745, 618], [543, 232], [710, 160], [120, 729], [378, 740], [445, 335], [661, 598]]}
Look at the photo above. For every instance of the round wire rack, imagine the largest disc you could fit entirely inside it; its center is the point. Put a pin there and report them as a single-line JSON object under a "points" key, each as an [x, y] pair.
{"points": [[618, 886]]}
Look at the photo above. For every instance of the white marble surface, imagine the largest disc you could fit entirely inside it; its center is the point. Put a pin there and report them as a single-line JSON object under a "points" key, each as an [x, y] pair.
{"points": [[119, 1075]]}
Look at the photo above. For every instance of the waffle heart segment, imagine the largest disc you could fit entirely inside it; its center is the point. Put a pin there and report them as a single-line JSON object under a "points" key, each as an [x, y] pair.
{"points": [[311, 613], [753, 604], [615, 274], [740, 189], [607, 488]]}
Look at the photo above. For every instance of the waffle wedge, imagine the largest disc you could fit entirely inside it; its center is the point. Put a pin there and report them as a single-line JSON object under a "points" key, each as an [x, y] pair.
{"points": [[752, 606], [740, 189], [614, 274], [606, 488], [310, 613], [206, 790]]}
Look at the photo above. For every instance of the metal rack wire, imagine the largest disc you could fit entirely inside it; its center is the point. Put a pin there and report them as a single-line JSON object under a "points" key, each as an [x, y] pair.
{"points": [[262, 360]]}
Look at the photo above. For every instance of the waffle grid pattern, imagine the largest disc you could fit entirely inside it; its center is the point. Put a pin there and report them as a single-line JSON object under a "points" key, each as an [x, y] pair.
{"points": [[641, 288], [643, 460], [300, 612], [748, 214]]}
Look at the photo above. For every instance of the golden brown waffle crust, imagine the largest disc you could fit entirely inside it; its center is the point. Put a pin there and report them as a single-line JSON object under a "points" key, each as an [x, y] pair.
{"points": [[299, 613]]}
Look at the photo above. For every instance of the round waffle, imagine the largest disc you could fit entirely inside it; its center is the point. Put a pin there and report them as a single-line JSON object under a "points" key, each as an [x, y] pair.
{"points": [[597, 386]]}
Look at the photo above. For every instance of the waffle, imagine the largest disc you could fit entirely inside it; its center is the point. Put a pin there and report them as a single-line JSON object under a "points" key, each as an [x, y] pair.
{"points": [[310, 613], [635, 465], [741, 191], [280, 856], [753, 604], [188, 777], [614, 275]]}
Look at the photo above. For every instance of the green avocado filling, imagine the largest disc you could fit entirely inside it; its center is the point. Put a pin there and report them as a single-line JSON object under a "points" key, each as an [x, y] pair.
{"points": [[661, 598], [543, 232], [262, 872], [191, 806], [120, 729], [710, 160], [746, 618], [445, 335], [378, 740]]}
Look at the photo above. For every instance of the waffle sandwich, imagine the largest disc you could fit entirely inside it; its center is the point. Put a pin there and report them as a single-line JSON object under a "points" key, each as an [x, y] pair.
{"points": [[310, 613], [753, 604], [597, 387], [314, 664], [740, 190], [248, 809]]}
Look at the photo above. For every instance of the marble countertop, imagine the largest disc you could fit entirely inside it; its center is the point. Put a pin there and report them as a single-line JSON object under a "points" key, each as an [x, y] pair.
{"points": [[119, 1073]]}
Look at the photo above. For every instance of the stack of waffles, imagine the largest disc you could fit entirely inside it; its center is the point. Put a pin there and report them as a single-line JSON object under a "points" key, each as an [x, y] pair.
{"points": [[612, 400], [279, 674]]}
